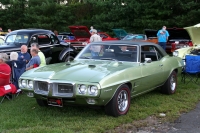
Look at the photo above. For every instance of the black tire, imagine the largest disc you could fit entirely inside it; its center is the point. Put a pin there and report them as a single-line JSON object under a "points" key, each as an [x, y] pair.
{"points": [[122, 95], [170, 85], [68, 58], [41, 102]]}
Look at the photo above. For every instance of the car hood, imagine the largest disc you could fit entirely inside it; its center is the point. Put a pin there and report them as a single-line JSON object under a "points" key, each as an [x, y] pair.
{"points": [[83, 71], [150, 33], [194, 32], [80, 32], [120, 33], [178, 33]]}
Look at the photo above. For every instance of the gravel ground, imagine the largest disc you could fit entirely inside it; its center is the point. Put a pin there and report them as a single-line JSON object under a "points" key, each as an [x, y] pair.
{"points": [[186, 123]]}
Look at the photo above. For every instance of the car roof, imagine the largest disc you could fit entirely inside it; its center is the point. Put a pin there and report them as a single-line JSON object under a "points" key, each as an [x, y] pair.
{"points": [[31, 31], [139, 43]]}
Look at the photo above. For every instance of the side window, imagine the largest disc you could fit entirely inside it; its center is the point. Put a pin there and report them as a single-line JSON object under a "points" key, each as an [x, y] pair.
{"points": [[40, 39], [54, 39], [43, 39], [103, 36], [150, 52]]}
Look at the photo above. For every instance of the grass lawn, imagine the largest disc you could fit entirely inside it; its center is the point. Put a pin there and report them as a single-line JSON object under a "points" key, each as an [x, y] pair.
{"points": [[23, 115]]}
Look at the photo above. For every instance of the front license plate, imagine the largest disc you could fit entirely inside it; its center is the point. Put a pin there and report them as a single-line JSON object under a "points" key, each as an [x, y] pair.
{"points": [[55, 102]]}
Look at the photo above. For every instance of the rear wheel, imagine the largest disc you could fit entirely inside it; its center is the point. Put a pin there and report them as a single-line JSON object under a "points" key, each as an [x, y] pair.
{"points": [[170, 85], [120, 103], [68, 58], [41, 102]]}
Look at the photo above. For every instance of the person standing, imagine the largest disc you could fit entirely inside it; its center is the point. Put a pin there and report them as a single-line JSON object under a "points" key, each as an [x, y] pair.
{"points": [[95, 37], [24, 55], [91, 28], [40, 54], [1, 30], [163, 37], [9, 30]]}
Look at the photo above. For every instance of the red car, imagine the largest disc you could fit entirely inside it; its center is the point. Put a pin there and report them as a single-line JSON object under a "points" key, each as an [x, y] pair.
{"points": [[178, 38]]}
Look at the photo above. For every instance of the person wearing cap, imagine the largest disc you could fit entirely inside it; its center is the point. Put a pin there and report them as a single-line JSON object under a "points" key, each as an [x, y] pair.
{"points": [[40, 54], [95, 37], [91, 28], [163, 37]]}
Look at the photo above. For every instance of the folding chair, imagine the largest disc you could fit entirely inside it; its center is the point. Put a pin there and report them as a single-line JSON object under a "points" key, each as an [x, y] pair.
{"points": [[6, 91], [191, 69], [18, 68]]}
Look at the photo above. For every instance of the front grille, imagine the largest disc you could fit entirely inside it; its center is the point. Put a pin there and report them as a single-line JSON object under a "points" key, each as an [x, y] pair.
{"points": [[65, 88], [42, 86]]}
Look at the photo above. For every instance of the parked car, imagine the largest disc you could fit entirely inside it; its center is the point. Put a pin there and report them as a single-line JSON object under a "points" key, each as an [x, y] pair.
{"points": [[2, 36], [65, 36], [120, 33], [178, 38], [107, 73], [80, 40], [151, 35], [106, 37], [135, 37], [48, 42], [194, 32]]}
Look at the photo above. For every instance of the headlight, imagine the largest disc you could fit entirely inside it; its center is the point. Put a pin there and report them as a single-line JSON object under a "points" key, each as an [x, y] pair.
{"points": [[93, 90], [23, 83], [175, 53], [84, 43], [30, 84], [82, 89]]}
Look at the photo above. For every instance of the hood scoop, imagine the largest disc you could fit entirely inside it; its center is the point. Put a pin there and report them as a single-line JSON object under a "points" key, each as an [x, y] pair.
{"points": [[91, 66]]}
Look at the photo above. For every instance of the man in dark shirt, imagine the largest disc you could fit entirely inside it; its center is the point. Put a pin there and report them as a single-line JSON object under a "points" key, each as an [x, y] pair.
{"points": [[35, 60], [24, 55]]}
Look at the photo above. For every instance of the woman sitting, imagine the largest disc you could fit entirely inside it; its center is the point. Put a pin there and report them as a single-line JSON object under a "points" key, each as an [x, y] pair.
{"points": [[5, 70]]}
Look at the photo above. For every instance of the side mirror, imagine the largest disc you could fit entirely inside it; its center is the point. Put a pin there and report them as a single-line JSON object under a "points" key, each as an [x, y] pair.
{"points": [[148, 60]]}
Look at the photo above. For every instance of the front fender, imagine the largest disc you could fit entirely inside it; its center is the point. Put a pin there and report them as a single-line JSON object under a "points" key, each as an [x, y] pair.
{"points": [[65, 52]]}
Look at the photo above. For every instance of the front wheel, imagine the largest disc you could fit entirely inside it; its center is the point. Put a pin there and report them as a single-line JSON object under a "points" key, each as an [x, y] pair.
{"points": [[120, 103], [68, 58], [170, 85]]}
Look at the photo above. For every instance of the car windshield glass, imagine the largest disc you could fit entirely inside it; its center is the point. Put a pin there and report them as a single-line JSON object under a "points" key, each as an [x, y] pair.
{"points": [[59, 37], [110, 52], [134, 37], [23, 38]]}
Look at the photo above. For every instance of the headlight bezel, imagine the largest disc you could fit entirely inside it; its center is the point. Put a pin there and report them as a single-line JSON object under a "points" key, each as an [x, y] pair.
{"points": [[28, 84], [95, 89], [82, 92], [24, 83], [175, 53]]}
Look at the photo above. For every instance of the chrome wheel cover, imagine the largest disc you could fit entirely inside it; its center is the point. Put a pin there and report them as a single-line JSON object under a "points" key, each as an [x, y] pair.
{"points": [[122, 100], [173, 82]]}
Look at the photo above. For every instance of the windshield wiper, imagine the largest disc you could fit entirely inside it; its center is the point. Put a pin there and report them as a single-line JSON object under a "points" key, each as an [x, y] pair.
{"points": [[109, 59], [85, 57]]}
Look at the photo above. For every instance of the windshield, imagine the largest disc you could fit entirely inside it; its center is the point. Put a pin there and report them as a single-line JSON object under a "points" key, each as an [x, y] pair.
{"points": [[110, 52], [135, 37], [17, 38]]}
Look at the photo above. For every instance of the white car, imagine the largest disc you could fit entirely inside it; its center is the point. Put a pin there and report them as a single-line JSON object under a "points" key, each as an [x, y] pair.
{"points": [[194, 32], [1, 40]]}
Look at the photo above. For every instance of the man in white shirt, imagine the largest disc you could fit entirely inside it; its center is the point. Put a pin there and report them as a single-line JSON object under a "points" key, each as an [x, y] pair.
{"points": [[95, 37]]}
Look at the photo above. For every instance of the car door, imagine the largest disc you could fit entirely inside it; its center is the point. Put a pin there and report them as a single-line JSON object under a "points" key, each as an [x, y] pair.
{"points": [[56, 48], [151, 70]]}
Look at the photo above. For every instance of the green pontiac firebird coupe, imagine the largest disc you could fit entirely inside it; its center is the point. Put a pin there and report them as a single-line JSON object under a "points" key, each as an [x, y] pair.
{"points": [[105, 74]]}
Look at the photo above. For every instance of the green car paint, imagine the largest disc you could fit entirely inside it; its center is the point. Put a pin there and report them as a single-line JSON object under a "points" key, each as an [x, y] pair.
{"points": [[106, 74]]}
